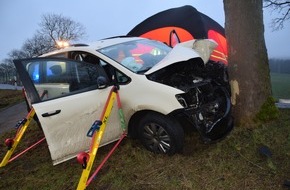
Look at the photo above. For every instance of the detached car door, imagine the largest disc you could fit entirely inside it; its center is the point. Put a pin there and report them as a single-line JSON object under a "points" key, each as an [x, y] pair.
{"points": [[67, 99]]}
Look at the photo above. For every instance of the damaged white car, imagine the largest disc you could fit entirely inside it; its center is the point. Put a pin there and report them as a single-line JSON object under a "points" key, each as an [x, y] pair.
{"points": [[162, 90]]}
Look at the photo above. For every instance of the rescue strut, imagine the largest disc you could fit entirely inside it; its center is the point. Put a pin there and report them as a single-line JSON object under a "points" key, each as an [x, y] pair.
{"points": [[12, 143], [96, 132]]}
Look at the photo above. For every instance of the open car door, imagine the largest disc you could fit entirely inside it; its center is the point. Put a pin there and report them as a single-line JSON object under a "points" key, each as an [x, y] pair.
{"points": [[67, 97]]}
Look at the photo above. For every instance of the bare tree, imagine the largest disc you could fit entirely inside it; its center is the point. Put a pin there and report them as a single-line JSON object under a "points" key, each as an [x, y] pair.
{"points": [[7, 73], [38, 45], [14, 54], [17, 54], [8, 66], [283, 9], [58, 27], [53, 27], [248, 60]]}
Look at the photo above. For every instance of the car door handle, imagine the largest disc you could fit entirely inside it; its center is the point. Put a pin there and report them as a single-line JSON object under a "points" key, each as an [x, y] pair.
{"points": [[51, 113]]}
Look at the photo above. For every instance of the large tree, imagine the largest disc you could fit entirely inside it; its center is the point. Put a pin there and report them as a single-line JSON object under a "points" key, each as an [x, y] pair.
{"points": [[248, 59], [58, 27]]}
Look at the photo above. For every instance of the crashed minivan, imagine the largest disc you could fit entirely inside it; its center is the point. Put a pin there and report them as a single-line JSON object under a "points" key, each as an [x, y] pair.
{"points": [[162, 90]]}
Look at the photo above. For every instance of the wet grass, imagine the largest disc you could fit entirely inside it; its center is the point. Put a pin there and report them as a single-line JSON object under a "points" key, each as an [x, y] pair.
{"points": [[280, 85], [234, 163]]}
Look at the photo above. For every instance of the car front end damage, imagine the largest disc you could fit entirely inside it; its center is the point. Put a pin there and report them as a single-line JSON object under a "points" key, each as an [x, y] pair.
{"points": [[208, 109], [206, 98]]}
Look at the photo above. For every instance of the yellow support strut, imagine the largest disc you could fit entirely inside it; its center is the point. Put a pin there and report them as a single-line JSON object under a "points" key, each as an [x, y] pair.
{"points": [[96, 139], [14, 142]]}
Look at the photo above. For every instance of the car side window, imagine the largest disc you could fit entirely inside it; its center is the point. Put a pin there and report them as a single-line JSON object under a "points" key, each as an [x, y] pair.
{"points": [[122, 78], [108, 68], [53, 78]]}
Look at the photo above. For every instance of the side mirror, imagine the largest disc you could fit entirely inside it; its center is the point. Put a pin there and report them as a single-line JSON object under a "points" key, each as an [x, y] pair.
{"points": [[102, 82]]}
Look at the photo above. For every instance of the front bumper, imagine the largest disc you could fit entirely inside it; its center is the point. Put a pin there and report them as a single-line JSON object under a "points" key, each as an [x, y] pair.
{"points": [[219, 130]]}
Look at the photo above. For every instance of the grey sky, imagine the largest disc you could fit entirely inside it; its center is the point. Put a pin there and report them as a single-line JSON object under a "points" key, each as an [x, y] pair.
{"points": [[19, 19]]}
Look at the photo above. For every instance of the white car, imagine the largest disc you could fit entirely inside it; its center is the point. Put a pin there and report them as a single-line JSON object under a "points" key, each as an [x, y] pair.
{"points": [[162, 90]]}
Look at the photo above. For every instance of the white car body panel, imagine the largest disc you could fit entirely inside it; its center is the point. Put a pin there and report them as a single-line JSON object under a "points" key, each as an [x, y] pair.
{"points": [[203, 47], [137, 96], [66, 132], [185, 51], [66, 136]]}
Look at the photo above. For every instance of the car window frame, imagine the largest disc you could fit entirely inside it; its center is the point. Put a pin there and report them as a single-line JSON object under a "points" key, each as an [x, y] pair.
{"points": [[115, 71], [31, 91]]}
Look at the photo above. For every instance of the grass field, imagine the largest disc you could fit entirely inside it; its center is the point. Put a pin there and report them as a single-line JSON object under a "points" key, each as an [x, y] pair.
{"points": [[234, 163], [280, 85], [10, 97]]}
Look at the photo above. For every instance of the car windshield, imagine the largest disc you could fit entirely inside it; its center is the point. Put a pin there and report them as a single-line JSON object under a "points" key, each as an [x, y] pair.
{"points": [[139, 55]]}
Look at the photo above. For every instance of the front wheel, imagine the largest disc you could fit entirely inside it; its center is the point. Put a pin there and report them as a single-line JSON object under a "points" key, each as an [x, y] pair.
{"points": [[160, 134]]}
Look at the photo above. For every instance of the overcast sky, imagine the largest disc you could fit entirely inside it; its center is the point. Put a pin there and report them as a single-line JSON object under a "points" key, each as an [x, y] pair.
{"points": [[19, 19]]}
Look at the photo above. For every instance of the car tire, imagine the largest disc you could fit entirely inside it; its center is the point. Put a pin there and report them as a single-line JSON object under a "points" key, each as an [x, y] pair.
{"points": [[160, 134]]}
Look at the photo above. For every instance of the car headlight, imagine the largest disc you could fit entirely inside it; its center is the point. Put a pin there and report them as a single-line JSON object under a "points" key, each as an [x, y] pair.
{"points": [[181, 99], [190, 99]]}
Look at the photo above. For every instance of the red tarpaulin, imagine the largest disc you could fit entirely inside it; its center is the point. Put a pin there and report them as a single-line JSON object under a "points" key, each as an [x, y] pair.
{"points": [[182, 24]]}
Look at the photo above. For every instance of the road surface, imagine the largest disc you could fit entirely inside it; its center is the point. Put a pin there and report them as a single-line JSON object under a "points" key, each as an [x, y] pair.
{"points": [[10, 116]]}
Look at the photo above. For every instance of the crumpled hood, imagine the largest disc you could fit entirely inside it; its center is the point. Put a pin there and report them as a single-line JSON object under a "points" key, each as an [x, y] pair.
{"points": [[185, 51]]}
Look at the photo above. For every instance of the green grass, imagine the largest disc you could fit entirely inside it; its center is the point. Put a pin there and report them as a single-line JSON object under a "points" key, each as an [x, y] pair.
{"points": [[10, 97], [280, 85], [234, 163]]}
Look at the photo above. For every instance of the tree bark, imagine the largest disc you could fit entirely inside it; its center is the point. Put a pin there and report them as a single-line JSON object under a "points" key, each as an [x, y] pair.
{"points": [[248, 60]]}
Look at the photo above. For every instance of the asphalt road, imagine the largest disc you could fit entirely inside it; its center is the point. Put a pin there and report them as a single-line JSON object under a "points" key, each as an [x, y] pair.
{"points": [[10, 116]]}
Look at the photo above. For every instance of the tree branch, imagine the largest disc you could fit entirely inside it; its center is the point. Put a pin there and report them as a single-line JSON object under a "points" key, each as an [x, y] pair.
{"points": [[283, 8]]}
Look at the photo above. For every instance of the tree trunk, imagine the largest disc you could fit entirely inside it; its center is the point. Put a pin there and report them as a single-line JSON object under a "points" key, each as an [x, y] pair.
{"points": [[248, 60]]}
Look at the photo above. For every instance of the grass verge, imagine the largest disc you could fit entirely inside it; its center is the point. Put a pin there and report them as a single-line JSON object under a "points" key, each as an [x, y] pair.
{"points": [[280, 85], [10, 97], [234, 163]]}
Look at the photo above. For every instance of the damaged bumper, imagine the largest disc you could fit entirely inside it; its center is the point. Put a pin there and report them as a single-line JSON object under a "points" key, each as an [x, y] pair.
{"points": [[213, 120], [217, 132]]}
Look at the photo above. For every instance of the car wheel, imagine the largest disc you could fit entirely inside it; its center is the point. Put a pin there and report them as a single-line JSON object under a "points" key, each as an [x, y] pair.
{"points": [[160, 134]]}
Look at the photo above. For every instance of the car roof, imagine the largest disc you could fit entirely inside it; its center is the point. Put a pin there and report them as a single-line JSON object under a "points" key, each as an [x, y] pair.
{"points": [[112, 41], [95, 45]]}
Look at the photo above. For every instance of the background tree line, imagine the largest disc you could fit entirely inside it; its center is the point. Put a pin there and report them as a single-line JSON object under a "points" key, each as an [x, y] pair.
{"points": [[279, 65]]}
